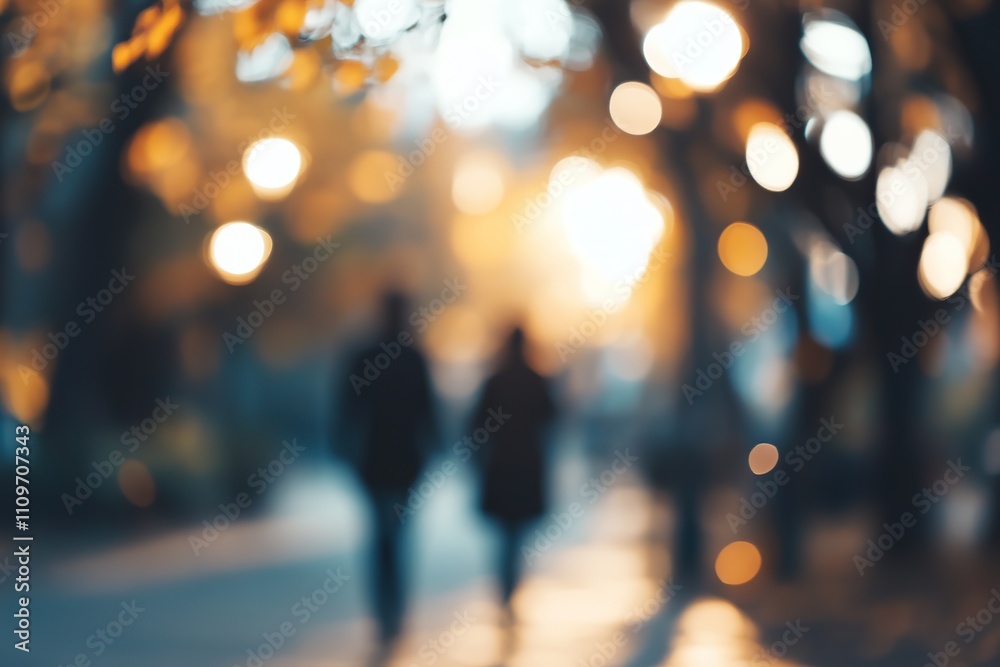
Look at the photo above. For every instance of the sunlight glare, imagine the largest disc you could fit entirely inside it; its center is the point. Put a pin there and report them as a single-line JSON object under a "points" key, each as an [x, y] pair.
{"points": [[611, 223]]}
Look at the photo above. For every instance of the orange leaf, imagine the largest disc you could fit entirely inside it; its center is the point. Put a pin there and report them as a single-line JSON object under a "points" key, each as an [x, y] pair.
{"points": [[161, 33], [121, 57], [147, 19]]}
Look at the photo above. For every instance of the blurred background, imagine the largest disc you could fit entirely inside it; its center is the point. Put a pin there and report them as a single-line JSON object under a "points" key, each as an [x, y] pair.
{"points": [[748, 243]]}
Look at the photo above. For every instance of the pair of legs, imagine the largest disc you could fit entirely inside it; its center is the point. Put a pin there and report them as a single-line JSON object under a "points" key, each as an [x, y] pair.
{"points": [[389, 575], [511, 535]]}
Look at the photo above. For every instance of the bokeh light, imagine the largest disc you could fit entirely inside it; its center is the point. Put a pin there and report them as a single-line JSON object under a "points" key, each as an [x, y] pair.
{"points": [[742, 249], [957, 217], [483, 44], [477, 186], [698, 43], [635, 108], [944, 263], [136, 483], [836, 48], [25, 393], [544, 28], [846, 144], [771, 157], [834, 272], [737, 563], [960, 217], [762, 459], [901, 199], [983, 291], [272, 167], [238, 251], [931, 157]]}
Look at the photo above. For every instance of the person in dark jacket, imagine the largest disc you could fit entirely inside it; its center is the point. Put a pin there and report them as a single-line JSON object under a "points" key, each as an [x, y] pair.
{"points": [[388, 407], [513, 460]]}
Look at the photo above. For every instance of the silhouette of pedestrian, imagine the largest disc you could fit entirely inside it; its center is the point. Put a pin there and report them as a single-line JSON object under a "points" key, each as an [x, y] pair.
{"points": [[388, 408], [513, 458]]}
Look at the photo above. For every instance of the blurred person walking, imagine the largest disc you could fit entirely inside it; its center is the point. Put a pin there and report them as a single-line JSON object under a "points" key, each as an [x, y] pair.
{"points": [[513, 460], [387, 410]]}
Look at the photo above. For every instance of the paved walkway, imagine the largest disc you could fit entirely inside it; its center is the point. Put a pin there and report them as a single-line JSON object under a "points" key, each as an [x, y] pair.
{"points": [[288, 589]]}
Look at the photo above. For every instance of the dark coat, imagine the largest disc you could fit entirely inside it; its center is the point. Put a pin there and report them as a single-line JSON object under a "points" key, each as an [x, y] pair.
{"points": [[513, 460], [393, 417]]}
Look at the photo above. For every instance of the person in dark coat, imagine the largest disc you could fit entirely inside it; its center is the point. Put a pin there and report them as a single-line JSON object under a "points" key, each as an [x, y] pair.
{"points": [[388, 408], [513, 460]]}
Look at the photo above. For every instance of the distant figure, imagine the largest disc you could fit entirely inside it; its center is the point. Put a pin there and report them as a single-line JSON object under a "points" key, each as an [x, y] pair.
{"points": [[387, 404], [513, 457]]}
